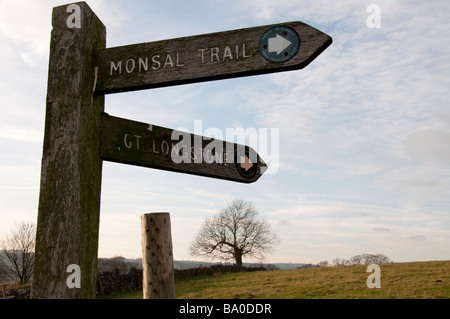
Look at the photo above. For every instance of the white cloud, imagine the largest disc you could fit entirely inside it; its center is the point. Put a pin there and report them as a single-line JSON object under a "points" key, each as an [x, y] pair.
{"points": [[417, 237], [417, 183], [21, 134], [28, 24], [429, 145], [342, 228]]}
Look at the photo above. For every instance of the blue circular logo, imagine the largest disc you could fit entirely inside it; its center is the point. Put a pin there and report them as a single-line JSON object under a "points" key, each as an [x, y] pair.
{"points": [[279, 44]]}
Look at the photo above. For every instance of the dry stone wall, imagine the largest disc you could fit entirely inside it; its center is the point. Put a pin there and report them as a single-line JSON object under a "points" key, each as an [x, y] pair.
{"points": [[109, 282]]}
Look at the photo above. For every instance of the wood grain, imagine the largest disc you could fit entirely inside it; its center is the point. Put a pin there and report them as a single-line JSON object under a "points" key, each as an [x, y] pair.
{"points": [[71, 172], [158, 280]]}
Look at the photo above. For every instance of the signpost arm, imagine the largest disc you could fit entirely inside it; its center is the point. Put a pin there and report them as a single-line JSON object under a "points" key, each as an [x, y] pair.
{"points": [[69, 204]]}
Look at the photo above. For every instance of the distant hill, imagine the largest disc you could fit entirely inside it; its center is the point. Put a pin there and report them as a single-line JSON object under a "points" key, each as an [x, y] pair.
{"points": [[187, 264]]}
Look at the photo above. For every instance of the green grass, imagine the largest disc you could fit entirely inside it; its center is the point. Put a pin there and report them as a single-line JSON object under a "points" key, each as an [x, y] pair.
{"points": [[416, 280]]}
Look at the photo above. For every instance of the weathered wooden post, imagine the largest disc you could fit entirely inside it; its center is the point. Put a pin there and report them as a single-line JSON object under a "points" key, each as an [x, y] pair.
{"points": [[69, 202], [158, 280], [78, 137]]}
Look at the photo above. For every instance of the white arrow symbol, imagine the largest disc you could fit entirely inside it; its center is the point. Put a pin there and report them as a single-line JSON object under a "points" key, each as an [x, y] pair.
{"points": [[278, 44]]}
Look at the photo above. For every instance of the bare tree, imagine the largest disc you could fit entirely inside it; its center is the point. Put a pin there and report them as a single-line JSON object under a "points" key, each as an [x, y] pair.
{"points": [[18, 248], [338, 262], [367, 259], [233, 233], [356, 260], [375, 259]]}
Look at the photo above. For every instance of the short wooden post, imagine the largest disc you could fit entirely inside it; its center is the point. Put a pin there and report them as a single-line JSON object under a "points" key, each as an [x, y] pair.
{"points": [[157, 257], [69, 201]]}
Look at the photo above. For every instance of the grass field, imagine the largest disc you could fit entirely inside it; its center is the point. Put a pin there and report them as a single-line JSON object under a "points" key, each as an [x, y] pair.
{"points": [[415, 280]]}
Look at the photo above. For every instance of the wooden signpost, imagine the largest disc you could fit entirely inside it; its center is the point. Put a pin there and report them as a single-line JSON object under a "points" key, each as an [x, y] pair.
{"points": [[209, 57], [129, 142], [71, 172], [79, 135]]}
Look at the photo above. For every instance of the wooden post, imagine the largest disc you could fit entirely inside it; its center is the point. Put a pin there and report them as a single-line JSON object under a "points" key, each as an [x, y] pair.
{"points": [[157, 256], [71, 172]]}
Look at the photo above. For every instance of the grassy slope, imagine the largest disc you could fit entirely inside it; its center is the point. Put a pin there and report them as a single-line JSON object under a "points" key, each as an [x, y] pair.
{"points": [[399, 280]]}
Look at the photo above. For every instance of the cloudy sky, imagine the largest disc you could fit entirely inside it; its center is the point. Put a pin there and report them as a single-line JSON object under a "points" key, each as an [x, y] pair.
{"points": [[364, 130]]}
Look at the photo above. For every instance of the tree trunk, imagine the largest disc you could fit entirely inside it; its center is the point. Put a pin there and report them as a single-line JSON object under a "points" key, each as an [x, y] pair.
{"points": [[238, 256]]}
